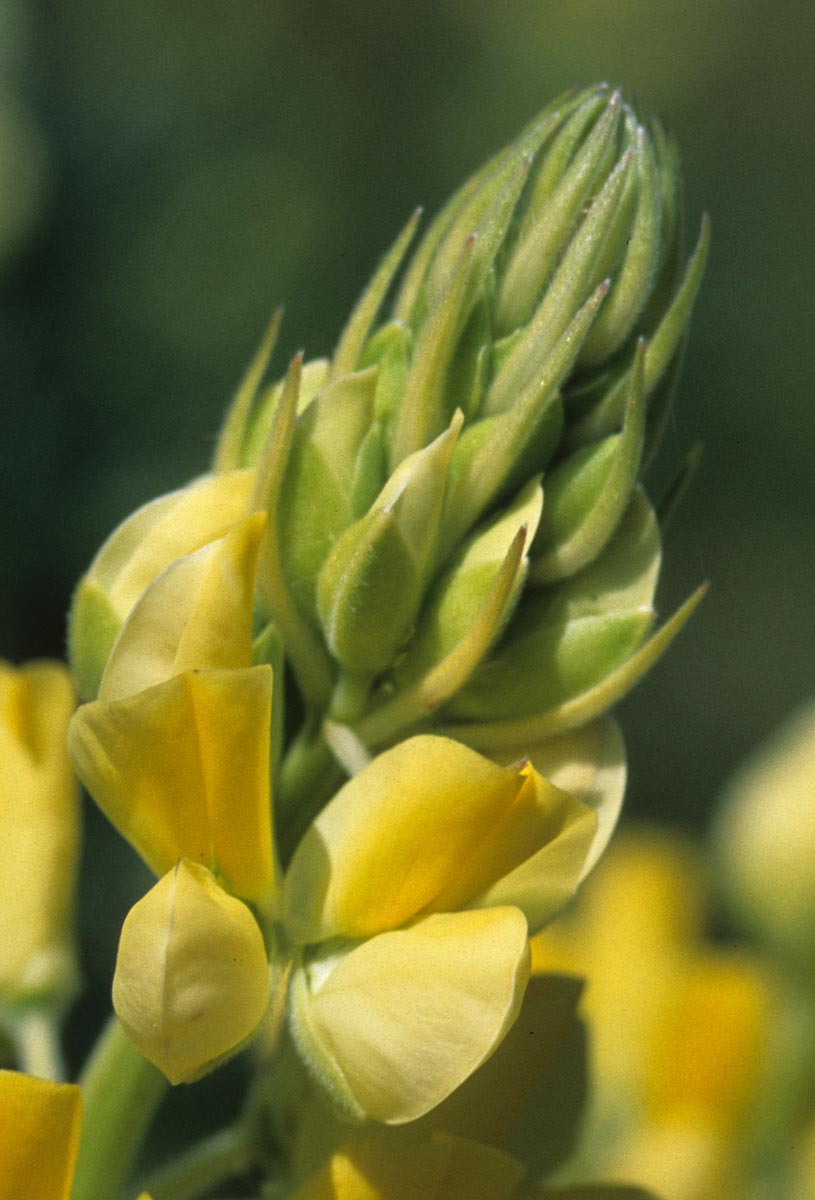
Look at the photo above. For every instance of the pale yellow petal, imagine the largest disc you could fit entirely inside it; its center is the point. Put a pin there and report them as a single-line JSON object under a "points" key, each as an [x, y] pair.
{"points": [[39, 1137], [196, 615], [589, 764], [182, 771], [39, 831], [393, 837], [405, 1017], [532, 858], [192, 979], [164, 530]]}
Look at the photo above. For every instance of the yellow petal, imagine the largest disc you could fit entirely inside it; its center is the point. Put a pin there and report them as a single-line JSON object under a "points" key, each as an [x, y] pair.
{"points": [[533, 857], [182, 771], [405, 1017], [39, 831], [438, 1168], [589, 764], [491, 1104], [722, 1007], [192, 979], [39, 1137], [140, 549], [197, 615], [164, 530], [393, 836]]}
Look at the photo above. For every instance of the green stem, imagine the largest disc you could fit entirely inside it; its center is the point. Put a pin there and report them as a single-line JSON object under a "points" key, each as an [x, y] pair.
{"points": [[214, 1160], [121, 1091], [37, 1041], [309, 774]]}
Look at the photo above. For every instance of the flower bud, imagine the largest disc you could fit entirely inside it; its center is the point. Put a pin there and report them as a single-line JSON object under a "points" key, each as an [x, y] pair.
{"points": [[546, 305], [371, 585], [192, 980], [136, 552], [39, 835]]}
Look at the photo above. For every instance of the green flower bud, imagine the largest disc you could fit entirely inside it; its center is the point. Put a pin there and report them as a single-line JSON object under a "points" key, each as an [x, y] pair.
{"points": [[563, 641], [546, 305], [371, 585]]}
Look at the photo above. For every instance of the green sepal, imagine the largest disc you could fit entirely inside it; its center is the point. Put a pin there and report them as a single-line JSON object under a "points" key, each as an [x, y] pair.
{"points": [[587, 494], [313, 377], [422, 413], [354, 336], [316, 502], [572, 284], [390, 350], [371, 584], [604, 414], [494, 455], [457, 596], [230, 445], [370, 470], [309, 661], [490, 737], [419, 700], [93, 626], [634, 279], [467, 377], [562, 642], [559, 194]]}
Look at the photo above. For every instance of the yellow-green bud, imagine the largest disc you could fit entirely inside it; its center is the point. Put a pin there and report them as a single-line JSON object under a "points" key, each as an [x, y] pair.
{"points": [[136, 552], [192, 980]]}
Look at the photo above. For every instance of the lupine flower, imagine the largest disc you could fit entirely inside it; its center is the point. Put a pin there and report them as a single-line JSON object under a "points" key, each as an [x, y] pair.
{"points": [[422, 878], [39, 1137], [176, 752], [679, 1026], [39, 835]]}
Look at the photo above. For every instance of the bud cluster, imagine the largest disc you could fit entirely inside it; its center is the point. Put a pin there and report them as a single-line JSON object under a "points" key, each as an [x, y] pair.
{"points": [[456, 525]]}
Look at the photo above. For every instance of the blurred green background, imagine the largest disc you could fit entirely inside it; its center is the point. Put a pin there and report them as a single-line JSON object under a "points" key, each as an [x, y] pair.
{"points": [[171, 171]]}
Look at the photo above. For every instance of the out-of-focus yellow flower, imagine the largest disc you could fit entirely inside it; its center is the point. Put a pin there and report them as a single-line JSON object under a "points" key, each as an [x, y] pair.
{"points": [[440, 1167], [410, 899], [176, 752], [765, 840], [39, 1137], [40, 1123], [679, 1027], [146, 543], [39, 834]]}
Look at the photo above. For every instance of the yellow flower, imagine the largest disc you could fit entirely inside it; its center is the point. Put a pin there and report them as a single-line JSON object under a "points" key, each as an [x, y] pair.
{"points": [[176, 752], [40, 1124], [39, 1137], [679, 1026], [147, 542], [409, 902], [440, 1167], [39, 833], [407, 907]]}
